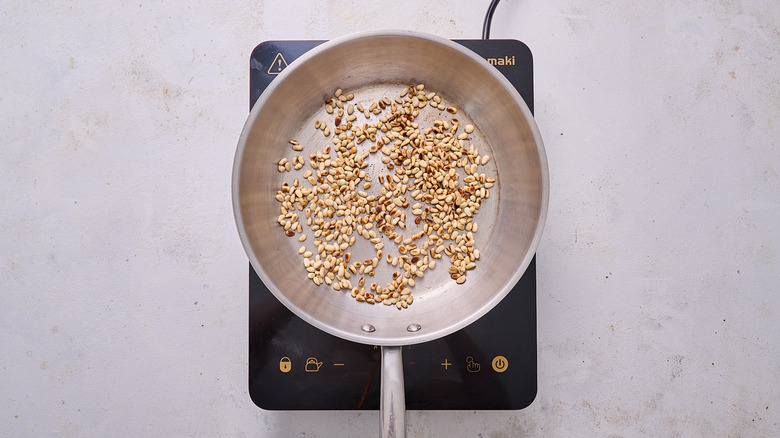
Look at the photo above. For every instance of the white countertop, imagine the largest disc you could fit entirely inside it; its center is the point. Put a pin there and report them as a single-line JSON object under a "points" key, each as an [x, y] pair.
{"points": [[123, 284]]}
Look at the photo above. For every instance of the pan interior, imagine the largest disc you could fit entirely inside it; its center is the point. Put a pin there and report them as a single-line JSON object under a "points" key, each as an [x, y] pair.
{"points": [[372, 66]]}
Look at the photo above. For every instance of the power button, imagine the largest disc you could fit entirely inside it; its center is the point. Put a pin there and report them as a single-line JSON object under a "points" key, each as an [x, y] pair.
{"points": [[500, 364]]}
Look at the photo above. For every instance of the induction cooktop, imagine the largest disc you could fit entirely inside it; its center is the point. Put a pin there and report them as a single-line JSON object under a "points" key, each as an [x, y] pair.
{"points": [[488, 365]]}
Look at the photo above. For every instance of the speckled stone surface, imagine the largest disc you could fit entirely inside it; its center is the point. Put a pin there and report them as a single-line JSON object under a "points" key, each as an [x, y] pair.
{"points": [[123, 284]]}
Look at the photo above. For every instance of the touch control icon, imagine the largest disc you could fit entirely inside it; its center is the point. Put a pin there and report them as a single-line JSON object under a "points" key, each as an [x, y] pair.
{"points": [[312, 366], [285, 365], [500, 364], [471, 366]]}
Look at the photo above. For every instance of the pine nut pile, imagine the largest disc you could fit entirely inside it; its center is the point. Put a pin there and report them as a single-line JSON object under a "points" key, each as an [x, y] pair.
{"points": [[432, 176]]}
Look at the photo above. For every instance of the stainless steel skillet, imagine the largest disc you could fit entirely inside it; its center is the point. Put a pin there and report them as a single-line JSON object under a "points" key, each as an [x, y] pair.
{"points": [[375, 65]]}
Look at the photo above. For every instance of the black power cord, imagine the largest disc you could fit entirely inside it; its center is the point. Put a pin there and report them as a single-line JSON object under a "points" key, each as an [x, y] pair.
{"points": [[488, 19]]}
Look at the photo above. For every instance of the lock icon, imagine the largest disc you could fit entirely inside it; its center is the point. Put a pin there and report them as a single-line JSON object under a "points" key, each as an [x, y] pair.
{"points": [[285, 365]]}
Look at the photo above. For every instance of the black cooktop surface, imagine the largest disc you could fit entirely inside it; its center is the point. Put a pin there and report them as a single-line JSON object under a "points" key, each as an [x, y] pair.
{"points": [[491, 364]]}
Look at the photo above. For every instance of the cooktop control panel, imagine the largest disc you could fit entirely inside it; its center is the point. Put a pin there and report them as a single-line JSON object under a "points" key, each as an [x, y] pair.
{"points": [[491, 364]]}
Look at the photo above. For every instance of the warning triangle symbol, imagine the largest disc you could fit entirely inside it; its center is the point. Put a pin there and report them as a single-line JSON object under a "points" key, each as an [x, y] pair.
{"points": [[278, 65]]}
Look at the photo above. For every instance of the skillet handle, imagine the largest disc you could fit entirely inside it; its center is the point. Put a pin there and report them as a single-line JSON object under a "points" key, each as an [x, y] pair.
{"points": [[392, 404]]}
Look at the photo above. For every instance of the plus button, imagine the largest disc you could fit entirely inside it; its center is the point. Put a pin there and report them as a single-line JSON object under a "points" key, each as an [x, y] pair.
{"points": [[445, 364]]}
